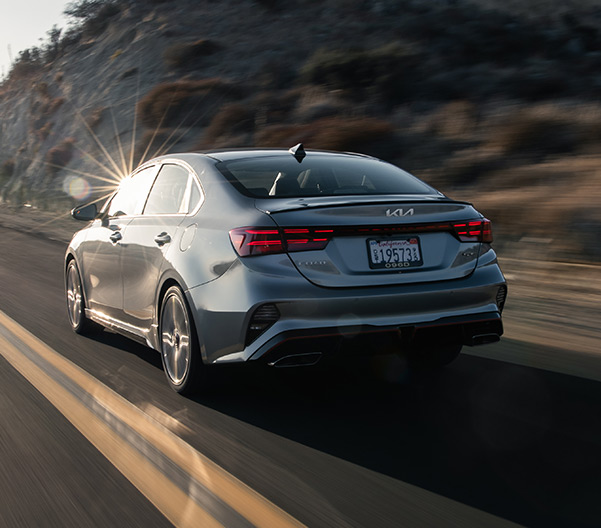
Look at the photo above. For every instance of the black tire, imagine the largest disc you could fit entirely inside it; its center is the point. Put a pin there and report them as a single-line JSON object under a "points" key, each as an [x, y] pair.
{"points": [[178, 341], [434, 357], [76, 305]]}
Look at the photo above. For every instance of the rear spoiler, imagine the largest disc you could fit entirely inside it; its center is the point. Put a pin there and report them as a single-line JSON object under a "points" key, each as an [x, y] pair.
{"points": [[280, 205]]}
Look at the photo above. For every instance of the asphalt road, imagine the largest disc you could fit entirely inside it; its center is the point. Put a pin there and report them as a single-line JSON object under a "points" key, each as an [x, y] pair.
{"points": [[371, 445]]}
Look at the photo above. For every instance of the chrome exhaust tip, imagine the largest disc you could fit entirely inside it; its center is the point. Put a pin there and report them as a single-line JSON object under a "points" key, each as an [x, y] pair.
{"points": [[484, 339], [297, 360]]}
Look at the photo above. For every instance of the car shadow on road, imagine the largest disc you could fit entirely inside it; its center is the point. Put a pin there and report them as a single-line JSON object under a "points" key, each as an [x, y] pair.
{"points": [[521, 443], [123, 344]]}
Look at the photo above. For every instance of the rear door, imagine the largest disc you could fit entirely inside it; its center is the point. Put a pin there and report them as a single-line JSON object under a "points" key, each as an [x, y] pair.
{"points": [[383, 243], [149, 240]]}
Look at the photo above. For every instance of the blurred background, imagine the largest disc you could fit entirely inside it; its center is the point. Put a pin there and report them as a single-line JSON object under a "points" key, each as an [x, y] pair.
{"points": [[491, 101]]}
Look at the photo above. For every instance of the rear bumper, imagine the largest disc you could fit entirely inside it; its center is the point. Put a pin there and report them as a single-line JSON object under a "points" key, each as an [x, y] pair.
{"points": [[310, 314], [309, 346]]}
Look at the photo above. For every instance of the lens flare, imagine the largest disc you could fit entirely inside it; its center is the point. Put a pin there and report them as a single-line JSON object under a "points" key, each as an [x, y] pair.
{"points": [[77, 187]]}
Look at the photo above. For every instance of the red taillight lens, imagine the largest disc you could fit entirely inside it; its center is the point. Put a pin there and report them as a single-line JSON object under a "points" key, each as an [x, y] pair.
{"points": [[248, 241], [474, 231], [304, 239]]}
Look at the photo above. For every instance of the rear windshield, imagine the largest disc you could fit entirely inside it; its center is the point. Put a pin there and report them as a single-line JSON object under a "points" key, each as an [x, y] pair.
{"points": [[319, 175]]}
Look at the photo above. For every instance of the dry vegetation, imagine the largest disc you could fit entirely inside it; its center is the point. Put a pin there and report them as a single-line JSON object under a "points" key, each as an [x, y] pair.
{"points": [[189, 55], [185, 103], [60, 155], [491, 101]]}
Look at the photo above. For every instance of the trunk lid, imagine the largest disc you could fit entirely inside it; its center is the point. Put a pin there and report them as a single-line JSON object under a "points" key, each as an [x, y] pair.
{"points": [[381, 241]]}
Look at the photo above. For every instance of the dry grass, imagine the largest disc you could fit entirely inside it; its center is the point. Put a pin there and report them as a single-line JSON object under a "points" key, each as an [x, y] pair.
{"points": [[187, 55], [558, 202], [95, 117], [454, 120], [346, 134], [185, 103], [42, 111], [60, 155], [231, 120], [384, 71], [536, 134]]}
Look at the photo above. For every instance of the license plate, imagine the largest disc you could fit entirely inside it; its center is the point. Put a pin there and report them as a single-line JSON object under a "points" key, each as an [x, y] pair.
{"points": [[398, 253]]}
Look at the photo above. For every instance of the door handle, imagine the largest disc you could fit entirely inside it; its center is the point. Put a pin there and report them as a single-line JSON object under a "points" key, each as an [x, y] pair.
{"points": [[116, 236], [162, 238]]}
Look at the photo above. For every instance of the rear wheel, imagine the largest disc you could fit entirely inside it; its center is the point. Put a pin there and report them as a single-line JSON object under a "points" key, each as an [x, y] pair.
{"points": [[434, 357], [76, 304], [180, 352]]}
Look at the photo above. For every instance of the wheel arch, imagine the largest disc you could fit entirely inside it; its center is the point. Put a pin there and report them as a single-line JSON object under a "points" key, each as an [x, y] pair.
{"points": [[70, 256], [167, 281]]}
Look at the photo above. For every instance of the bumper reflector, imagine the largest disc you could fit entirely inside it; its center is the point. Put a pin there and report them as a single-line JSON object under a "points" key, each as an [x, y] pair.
{"points": [[501, 296], [261, 320]]}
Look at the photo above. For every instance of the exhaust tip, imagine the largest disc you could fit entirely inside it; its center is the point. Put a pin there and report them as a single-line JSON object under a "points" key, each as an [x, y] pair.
{"points": [[297, 360], [485, 339]]}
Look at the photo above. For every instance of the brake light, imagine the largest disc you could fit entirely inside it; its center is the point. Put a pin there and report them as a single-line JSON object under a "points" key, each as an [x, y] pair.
{"points": [[474, 231], [249, 241]]}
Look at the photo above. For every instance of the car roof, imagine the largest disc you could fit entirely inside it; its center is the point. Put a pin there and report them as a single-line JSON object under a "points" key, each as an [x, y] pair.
{"points": [[244, 153]]}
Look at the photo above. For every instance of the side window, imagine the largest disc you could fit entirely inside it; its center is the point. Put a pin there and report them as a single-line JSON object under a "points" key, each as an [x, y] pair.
{"points": [[194, 194], [168, 192], [132, 193]]}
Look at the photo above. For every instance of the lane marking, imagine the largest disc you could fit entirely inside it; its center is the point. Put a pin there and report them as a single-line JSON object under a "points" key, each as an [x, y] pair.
{"points": [[102, 424]]}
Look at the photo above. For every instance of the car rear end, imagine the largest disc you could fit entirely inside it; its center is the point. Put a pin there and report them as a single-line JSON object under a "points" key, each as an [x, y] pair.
{"points": [[354, 256]]}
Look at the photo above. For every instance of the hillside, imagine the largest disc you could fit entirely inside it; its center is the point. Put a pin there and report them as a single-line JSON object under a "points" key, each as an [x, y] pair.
{"points": [[495, 102]]}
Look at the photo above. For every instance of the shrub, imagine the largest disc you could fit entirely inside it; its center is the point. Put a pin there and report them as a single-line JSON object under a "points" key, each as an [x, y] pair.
{"points": [[185, 103], [93, 15], [44, 131], [385, 71], [534, 134], [129, 72], [453, 120], [95, 117], [273, 107], [368, 135], [232, 119], [268, 4], [42, 111], [6, 170], [188, 54], [277, 74], [60, 155], [87, 9], [27, 63]]}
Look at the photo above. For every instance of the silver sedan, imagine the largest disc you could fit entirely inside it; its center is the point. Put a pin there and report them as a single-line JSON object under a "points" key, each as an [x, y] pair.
{"points": [[283, 257]]}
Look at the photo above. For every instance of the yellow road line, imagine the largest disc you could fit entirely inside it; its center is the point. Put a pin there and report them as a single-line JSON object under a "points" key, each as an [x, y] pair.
{"points": [[180, 509]]}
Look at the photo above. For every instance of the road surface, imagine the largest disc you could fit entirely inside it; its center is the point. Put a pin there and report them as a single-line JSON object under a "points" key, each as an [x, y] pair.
{"points": [[483, 442]]}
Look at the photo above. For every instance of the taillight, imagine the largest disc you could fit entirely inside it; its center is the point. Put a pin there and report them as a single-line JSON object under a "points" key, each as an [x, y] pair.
{"points": [[248, 241], [305, 239], [474, 231]]}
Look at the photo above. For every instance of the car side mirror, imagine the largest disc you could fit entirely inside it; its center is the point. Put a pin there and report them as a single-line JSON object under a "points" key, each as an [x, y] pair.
{"points": [[85, 212]]}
